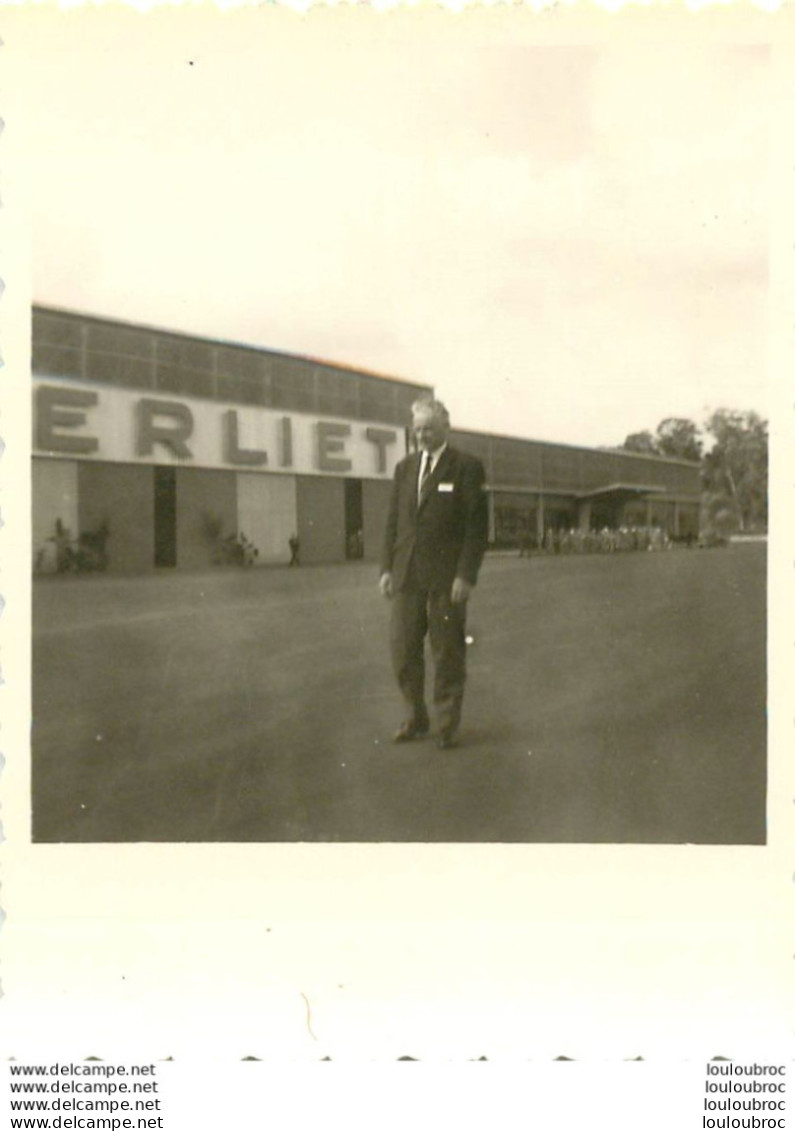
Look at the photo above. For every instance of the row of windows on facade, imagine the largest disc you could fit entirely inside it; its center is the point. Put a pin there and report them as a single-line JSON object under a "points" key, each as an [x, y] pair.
{"points": [[146, 360], [516, 462], [563, 514]]}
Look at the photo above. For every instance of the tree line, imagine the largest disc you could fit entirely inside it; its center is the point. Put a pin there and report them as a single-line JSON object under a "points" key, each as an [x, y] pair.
{"points": [[731, 447]]}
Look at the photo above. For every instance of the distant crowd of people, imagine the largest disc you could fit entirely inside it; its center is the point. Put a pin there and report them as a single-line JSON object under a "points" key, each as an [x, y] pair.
{"points": [[605, 541]]}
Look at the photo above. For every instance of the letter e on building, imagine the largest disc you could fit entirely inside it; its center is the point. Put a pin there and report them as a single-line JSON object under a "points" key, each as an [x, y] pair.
{"points": [[331, 442], [61, 408]]}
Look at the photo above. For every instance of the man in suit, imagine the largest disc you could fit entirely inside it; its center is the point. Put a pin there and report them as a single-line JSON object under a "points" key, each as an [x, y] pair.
{"points": [[436, 534]]}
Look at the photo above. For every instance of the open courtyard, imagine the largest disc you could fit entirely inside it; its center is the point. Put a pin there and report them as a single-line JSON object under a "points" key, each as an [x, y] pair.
{"points": [[615, 698]]}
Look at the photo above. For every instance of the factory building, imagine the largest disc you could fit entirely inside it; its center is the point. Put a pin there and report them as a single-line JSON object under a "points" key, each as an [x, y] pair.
{"points": [[174, 445], [536, 487], [159, 450]]}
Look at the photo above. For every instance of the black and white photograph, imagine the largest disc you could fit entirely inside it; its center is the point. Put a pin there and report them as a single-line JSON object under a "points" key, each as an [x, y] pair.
{"points": [[400, 423], [396, 621]]}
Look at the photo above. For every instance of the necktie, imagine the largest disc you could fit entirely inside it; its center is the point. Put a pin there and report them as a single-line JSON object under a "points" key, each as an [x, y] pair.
{"points": [[426, 471]]}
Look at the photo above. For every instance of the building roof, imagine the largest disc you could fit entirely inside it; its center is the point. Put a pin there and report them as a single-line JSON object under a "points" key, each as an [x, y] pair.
{"points": [[618, 489], [575, 447], [183, 335]]}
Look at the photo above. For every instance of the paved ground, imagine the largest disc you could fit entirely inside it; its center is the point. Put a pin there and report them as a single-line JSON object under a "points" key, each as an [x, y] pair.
{"points": [[611, 699]]}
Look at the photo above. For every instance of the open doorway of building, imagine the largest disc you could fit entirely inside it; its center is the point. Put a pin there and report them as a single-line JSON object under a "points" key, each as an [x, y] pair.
{"points": [[165, 517], [604, 515], [354, 521]]}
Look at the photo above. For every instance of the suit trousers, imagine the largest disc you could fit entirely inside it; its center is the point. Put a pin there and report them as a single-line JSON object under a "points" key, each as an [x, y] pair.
{"points": [[416, 612]]}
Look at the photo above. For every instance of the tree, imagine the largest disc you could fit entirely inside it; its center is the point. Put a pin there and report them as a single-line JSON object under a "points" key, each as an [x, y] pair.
{"points": [[734, 473], [640, 442], [678, 438], [675, 437]]}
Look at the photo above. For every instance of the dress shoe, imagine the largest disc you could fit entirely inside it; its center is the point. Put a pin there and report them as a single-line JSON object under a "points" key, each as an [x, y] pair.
{"points": [[446, 740], [410, 730]]}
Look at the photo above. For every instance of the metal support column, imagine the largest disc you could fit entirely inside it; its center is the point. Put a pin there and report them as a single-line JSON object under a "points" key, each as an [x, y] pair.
{"points": [[492, 522]]}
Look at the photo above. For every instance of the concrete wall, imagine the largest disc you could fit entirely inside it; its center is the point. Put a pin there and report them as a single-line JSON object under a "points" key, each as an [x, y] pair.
{"points": [[122, 495], [375, 503], [54, 497], [201, 494], [267, 514], [321, 519]]}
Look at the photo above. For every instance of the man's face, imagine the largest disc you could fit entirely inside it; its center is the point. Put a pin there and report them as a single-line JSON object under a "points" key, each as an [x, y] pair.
{"points": [[430, 432]]}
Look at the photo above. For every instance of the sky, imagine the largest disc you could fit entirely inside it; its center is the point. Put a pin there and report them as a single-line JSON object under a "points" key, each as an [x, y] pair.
{"points": [[568, 240]]}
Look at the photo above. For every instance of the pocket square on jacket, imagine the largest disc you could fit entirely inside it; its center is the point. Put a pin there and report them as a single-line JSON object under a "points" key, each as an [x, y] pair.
{"points": [[445, 487]]}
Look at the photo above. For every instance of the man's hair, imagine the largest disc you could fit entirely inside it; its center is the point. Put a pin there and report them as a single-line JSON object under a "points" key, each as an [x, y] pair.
{"points": [[434, 407]]}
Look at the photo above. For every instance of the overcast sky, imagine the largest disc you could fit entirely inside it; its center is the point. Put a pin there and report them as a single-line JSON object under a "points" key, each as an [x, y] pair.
{"points": [[568, 242]]}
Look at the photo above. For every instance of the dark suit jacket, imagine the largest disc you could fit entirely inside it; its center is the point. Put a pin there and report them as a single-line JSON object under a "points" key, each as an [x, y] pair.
{"points": [[444, 535]]}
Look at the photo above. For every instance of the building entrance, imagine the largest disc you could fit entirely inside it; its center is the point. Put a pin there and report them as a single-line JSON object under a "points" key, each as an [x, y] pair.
{"points": [[354, 520], [165, 516], [604, 515]]}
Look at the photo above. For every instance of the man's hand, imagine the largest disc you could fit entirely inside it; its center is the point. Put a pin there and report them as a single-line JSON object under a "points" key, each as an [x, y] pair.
{"points": [[385, 584], [460, 591]]}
